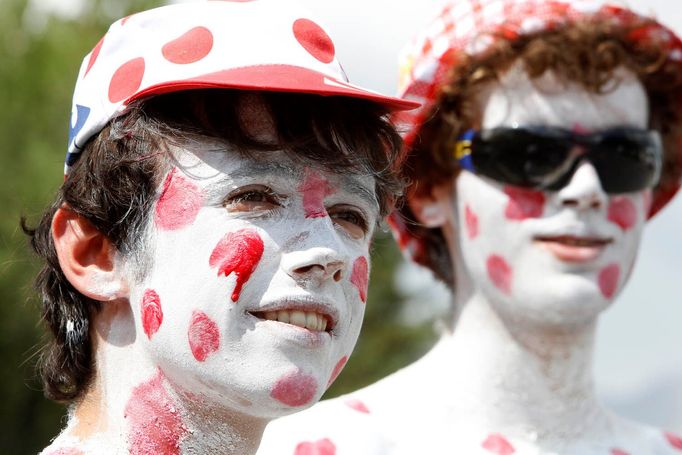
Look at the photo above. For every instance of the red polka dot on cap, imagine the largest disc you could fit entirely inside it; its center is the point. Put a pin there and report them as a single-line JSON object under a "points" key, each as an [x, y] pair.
{"points": [[262, 45]]}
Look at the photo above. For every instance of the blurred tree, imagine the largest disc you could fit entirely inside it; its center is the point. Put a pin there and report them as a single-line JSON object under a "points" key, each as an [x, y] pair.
{"points": [[40, 56]]}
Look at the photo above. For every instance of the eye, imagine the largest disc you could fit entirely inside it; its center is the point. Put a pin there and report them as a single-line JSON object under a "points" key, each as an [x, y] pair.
{"points": [[349, 219], [252, 198]]}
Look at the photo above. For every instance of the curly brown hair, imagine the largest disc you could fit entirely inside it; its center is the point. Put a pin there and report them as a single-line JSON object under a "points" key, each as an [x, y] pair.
{"points": [[585, 52], [115, 182]]}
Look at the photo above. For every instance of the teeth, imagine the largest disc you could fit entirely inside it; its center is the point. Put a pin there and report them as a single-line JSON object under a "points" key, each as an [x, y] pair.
{"points": [[308, 320]]}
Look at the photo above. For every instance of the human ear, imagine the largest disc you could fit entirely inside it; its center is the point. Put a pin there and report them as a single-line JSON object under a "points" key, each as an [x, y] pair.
{"points": [[87, 257], [432, 206]]}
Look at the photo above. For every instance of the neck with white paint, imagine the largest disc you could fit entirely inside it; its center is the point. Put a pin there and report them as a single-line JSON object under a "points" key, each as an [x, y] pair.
{"points": [[131, 406]]}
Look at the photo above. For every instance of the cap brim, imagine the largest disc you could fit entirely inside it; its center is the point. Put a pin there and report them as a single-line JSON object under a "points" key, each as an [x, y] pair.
{"points": [[276, 78]]}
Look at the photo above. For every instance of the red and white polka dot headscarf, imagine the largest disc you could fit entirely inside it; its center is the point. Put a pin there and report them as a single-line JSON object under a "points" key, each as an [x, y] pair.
{"points": [[471, 26], [268, 45]]}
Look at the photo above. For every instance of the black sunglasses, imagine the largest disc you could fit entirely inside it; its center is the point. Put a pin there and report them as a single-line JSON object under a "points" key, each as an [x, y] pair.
{"points": [[626, 159]]}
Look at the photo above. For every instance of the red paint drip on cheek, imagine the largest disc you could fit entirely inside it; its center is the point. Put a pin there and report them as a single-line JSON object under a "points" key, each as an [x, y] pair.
{"points": [[154, 425], [523, 204], [360, 277], [500, 273], [295, 389], [237, 252], [322, 447], [608, 280], [674, 440], [622, 211], [152, 314], [337, 369], [203, 336], [179, 203], [498, 444], [314, 189], [471, 221], [357, 405]]}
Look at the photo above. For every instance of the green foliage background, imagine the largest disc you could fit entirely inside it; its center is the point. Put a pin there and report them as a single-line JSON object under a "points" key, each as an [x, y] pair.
{"points": [[37, 71]]}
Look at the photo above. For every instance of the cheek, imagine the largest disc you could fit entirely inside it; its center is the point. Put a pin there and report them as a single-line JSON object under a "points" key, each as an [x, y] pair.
{"points": [[313, 190], [152, 314], [295, 389], [523, 204], [608, 280], [337, 370], [239, 253], [500, 273], [360, 277], [153, 421], [322, 447], [498, 444], [471, 222], [619, 452], [203, 336], [623, 212], [179, 203]]}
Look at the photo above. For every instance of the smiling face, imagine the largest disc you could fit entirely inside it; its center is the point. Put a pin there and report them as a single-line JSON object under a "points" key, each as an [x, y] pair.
{"points": [[552, 257], [258, 278]]}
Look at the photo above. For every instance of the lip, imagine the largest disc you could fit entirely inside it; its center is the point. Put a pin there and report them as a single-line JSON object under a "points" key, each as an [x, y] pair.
{"points": [[302, 303], [575, 249]]}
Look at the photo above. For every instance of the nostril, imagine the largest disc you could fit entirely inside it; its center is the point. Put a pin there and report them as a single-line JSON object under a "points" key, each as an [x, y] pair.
{"points": [[595, 204], [337, 276], [304, 270], [571, 203]]}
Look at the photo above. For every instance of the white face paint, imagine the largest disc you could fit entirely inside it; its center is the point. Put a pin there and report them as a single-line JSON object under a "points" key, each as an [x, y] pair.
{"points": [[238, 245], [552, 258]]}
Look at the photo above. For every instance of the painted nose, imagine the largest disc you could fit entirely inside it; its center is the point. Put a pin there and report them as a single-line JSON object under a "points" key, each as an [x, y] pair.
{"points": [[584, 190], [317, 263]]}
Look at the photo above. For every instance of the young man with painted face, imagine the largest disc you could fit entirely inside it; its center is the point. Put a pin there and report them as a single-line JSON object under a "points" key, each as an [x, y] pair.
{"points": [[207, 255], [550, 133]]}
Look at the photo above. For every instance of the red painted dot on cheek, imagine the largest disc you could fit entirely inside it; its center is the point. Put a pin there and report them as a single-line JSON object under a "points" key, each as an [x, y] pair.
{"points": [[191, 47], [203, 336], [322, 447], [337, 369], [471, 221], [152, 313], [154, 425], [314, 189], [360, 276], [608, 280], [357, 405], [498, 444], [674, 440], [238, 252], [179, 203], [523, 203], [500, 273], [126, 80], [295, 389], [622, 211], [314, 40]]}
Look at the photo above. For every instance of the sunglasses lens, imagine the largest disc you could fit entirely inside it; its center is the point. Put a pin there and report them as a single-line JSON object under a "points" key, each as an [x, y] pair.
{"points": [[627, 161], [521, 158]]}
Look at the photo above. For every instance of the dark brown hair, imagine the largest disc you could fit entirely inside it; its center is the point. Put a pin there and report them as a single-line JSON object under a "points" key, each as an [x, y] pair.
{"points": [[587, 53], [114, 186]]}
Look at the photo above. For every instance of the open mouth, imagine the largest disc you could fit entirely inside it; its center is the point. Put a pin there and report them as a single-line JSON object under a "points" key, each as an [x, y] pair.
{"points": [[307, 319], [574, 249]]}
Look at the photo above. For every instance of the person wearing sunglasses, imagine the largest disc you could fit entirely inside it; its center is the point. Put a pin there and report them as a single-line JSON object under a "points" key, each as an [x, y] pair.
{"points": [[550, 132]]}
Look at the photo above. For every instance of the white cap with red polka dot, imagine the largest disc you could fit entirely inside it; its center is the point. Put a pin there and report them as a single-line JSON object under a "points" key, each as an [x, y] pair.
{"points": [[269, 45]]}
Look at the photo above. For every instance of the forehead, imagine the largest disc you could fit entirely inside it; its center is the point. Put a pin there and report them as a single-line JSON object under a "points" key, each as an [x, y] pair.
{"points": [[516, 100]]}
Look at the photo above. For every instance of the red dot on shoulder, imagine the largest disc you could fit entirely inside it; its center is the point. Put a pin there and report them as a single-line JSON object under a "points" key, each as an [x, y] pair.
{"points": [[126, 80], [314, 40], [190, 47]]}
